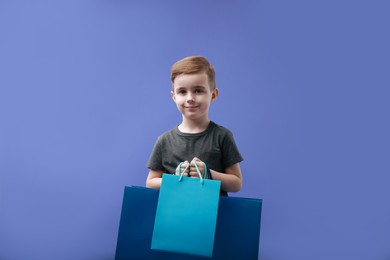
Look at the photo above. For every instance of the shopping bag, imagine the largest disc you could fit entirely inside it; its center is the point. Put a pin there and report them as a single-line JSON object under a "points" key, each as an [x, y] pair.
{"points": [[238, 228], [236, 237], [186, 214]]}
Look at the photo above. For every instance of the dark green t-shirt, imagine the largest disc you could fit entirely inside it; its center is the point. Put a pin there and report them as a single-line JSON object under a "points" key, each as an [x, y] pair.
{"points": [[215, 146]]}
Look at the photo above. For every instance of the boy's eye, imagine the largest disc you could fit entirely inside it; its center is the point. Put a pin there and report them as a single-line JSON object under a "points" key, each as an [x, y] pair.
{"points": [[198, 90]]}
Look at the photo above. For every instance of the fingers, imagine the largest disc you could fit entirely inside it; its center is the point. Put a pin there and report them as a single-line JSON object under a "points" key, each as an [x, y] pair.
{"points": [[197, 161], [193, 171], [183, 168]]}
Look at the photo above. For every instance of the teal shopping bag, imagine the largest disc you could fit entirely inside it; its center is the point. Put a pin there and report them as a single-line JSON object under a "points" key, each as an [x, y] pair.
{"points": [[186, 215]]}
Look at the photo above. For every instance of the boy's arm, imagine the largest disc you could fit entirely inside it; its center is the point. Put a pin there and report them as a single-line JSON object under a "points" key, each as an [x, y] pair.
{"points": [[231, 179], [154, 179]]}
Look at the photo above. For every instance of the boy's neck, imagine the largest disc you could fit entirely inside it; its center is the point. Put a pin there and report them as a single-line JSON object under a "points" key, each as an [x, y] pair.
{"points": [[193, 126]]}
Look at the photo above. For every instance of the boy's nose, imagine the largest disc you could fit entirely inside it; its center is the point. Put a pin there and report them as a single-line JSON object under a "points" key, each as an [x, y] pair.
{"points": [[190, 98]]}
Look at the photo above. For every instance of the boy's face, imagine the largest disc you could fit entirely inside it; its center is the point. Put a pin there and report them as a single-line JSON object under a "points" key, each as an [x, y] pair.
{"points": [[193, 96]]}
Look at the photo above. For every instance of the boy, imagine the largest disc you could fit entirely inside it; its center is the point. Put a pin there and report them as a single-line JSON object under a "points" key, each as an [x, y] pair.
{"points": [[197, 139]]}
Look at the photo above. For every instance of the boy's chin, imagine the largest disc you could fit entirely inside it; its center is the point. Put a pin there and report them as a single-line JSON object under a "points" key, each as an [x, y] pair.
{"points": [[193, 117]]}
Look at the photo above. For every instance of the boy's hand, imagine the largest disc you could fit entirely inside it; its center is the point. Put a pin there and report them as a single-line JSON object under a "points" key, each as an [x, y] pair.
{"points": [[193, 172], [182, 168]]}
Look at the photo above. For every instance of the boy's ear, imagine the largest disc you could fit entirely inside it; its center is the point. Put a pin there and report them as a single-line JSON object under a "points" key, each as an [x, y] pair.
{"points": [[173, 95], [214, 94]]}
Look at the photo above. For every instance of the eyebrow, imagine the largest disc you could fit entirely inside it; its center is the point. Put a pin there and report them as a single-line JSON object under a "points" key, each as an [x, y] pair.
{"points": [[193, 87], [180, 88]]}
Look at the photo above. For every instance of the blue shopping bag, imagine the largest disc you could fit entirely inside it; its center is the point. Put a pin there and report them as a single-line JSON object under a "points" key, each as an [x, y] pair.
{"points": [[186, 215], [237, 234]]}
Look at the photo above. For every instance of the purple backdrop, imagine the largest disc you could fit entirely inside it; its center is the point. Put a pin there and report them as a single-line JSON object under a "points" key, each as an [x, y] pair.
{"points": [[85, 91]]}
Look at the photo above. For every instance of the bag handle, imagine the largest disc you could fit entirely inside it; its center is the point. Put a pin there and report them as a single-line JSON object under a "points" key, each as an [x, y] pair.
{"points": [[197, 170]]}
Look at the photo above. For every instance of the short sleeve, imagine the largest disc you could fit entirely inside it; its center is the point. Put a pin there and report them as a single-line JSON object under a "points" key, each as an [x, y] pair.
{"points": [[231, 154], [155, 159]]}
